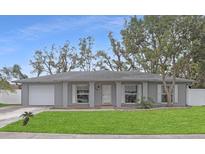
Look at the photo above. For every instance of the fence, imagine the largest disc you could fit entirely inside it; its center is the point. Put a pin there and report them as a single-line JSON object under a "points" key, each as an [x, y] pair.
{"points": [[10, 97], [196, 97]]}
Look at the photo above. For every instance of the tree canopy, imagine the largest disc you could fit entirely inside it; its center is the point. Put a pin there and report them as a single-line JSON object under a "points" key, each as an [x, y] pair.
{"points": [[7, 74], [167, 45]]}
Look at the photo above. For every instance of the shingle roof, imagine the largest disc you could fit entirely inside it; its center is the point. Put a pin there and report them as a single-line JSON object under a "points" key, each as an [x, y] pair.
{"points": [[99, 76]]}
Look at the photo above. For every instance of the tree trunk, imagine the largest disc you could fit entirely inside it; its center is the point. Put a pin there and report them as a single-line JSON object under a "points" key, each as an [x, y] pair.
{"points": [[168, 92], [169, 99]]}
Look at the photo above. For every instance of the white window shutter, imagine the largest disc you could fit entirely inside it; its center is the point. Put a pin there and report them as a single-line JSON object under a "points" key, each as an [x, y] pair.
{"points": [[74, 99], [159, 93], [123, 93], [139, 93], [176, 94]]}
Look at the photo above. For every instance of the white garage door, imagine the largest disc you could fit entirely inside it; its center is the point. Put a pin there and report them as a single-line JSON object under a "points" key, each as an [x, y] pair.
{"points": [[196, 97], [41, 95]]}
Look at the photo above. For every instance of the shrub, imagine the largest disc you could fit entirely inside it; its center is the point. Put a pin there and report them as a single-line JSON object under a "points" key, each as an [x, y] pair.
{"points": [[146, 104], [26, 117]]}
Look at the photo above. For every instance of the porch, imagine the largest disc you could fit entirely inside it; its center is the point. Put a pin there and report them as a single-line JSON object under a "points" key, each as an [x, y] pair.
{"points": [[101, 94]]}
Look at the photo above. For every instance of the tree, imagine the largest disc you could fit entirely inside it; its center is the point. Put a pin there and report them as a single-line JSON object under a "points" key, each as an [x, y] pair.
{"points": [[12, 73], [38, 63], [197, 46], [138, 42], [5, 85], [67, 60], [16, 72], [104, 61], [86, 57], [119, 60], [54, 60], [49, 60], [161, 28], [160, 44], [7, 74], [191, 65]]}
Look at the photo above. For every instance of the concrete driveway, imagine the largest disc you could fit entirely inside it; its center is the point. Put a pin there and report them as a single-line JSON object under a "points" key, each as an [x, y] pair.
{"points": [[12, 113]]}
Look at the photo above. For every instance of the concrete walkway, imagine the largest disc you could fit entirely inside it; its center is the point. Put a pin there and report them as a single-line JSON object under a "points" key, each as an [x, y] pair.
{"points": [[12, 113], [15, 135], [114, 109]]}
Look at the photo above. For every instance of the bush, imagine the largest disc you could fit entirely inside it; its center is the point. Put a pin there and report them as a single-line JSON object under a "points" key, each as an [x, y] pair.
{"points": [[26, 117], [146, 104]]}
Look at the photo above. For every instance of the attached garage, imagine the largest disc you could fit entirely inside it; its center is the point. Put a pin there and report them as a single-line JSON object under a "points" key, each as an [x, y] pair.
{"points": [[41, 94]]}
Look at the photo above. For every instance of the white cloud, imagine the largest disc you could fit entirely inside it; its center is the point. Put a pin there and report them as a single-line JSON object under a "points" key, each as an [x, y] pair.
{"points": [[6, 50], [86, 24], [83, 23], [41, 28]]}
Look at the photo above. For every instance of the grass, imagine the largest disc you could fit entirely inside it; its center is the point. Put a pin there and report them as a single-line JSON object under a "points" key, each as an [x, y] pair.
{"points": [[163, 121], [2, 105]]}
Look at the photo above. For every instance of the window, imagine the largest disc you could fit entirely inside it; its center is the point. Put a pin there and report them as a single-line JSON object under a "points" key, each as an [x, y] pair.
{"points": [[130, 93], [82, 93], [164, 95]]}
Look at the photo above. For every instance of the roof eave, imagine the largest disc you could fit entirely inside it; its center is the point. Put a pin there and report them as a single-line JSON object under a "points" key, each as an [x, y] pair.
{"points": [[103, 80]]}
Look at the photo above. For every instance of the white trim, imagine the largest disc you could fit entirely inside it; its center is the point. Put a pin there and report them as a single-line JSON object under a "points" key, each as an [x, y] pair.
{"points": [[187, 95], [74, 93], [91, 94], [79, 85], [74, 96], [118, 94], [65, 94], [145, 90], [159, 93], [139, 92], [123, 93]]}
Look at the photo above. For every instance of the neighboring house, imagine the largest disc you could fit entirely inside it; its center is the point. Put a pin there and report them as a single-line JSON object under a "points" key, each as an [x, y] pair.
{"points": [[98, 89]]}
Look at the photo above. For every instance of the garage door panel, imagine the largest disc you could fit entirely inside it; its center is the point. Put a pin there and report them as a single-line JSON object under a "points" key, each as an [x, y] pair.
{"points": [[41, 95]]}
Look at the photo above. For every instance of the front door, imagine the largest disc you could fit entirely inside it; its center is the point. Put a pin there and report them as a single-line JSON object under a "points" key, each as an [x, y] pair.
{"points": [[106, 94]]}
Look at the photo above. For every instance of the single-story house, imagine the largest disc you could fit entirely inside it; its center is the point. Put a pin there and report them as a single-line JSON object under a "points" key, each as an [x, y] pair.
{"points": [[99, 88]]}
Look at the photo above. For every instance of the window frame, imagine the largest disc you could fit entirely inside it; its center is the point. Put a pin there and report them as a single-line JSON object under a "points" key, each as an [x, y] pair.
{"points": [[76, 93], [126, 93]]}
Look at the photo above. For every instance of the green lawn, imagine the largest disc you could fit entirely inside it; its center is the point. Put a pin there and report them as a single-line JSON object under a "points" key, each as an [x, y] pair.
{"points": [[163, 121], [2, 105]]}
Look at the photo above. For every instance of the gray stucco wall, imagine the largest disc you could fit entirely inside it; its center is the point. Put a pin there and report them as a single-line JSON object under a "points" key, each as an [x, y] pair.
{"points": [[98, 92], [152, 91], [25, 95], [58, 95], [69, 93], [182, 92], [113, 91]]}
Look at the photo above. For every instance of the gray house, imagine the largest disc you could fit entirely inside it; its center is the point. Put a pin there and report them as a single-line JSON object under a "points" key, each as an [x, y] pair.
{"points": [[99, 89]]}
